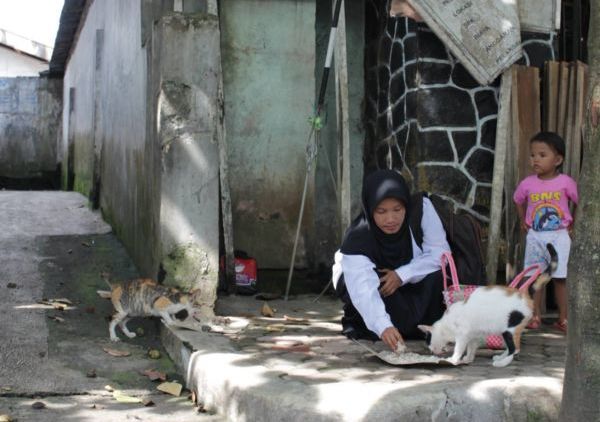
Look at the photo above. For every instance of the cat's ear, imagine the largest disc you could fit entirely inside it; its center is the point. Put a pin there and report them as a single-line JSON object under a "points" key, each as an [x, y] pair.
{"points": [[425, 328], [194, 295]]}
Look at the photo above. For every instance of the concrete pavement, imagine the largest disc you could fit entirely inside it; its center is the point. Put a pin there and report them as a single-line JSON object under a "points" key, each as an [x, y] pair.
{"points": [[53, 247], [296, 366], [243, 366]]}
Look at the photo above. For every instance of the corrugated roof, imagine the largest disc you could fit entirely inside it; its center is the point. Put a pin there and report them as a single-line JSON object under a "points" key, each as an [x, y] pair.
{"points": [[70, 18]]}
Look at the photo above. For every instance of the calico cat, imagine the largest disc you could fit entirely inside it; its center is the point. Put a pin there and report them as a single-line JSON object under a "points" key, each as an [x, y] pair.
{"points": [[488, 310], [144, 297]]}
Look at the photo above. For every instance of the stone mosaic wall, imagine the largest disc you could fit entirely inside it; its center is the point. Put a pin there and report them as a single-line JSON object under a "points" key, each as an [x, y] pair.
{"points": [[425, 114]]}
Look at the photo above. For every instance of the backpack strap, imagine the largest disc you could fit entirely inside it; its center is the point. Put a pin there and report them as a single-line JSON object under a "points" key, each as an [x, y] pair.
{"points": [[416, 216]]}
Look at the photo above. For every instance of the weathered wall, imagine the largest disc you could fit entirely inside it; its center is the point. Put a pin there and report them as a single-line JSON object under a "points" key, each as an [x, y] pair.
{"points": [[269, 82], [105, 146], [185, 75], [140, 135], [30, 109]]}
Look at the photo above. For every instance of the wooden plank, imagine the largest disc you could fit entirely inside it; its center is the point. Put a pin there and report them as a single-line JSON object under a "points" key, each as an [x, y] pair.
{"points": [[511, 221], [570, 118], [498, 177], [343, 111], [581, 95], [525, 122], [551, 82], [528, 85], [226, 213], [563, 92]]}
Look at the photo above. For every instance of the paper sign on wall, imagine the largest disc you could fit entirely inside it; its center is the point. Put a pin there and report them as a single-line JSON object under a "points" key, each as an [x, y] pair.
{"points": [[539, 15], [483, 34]]}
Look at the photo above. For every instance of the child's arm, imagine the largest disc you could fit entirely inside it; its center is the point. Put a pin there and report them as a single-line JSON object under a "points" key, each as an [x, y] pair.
{"points": [[521, 213], [572, 225]]}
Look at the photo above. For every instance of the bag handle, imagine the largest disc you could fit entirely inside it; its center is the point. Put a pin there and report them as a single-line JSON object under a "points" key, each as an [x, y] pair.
{"points": [[530, 280], [448, 260]]}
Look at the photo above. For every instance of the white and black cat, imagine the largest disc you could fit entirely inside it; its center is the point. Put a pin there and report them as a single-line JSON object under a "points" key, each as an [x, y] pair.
{"points": [[144, 297], [488, 310]]}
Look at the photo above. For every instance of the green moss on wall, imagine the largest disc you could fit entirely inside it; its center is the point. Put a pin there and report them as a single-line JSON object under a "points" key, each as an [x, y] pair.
{"points": [[186, 266]]}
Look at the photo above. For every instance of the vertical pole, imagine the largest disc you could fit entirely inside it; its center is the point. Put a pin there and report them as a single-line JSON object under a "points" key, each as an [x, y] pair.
{"points": [[498, 178], [312, 148], [226, 214], [341, 72]]}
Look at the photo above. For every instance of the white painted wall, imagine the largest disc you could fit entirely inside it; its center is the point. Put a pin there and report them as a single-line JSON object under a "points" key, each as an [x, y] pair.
{"points": [[109, 116], [13, 64]]}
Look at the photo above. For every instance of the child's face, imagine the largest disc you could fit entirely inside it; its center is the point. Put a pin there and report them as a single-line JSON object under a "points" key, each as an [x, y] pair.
{"points": [[402, 8], [544, 159]]}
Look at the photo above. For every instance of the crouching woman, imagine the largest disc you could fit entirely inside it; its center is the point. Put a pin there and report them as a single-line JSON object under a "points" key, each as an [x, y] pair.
{"points": [[387, 282]]}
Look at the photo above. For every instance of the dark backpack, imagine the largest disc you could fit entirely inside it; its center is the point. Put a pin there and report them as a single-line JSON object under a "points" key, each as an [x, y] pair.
{"points": [[463, 233]]}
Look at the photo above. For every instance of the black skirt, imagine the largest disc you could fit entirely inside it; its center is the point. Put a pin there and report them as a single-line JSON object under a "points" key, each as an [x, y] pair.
{"points": [[409, 306]]}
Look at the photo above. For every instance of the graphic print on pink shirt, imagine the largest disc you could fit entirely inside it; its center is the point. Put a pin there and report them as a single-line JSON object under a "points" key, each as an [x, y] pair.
{"points": [[546, 217], [547, 201]]}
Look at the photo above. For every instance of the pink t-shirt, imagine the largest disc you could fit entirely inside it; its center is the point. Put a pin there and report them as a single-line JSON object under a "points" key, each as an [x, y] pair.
{"points": [[547, 201]]}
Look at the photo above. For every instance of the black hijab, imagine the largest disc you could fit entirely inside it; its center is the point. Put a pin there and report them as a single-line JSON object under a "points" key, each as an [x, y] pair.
{"points": [[363, 237]]}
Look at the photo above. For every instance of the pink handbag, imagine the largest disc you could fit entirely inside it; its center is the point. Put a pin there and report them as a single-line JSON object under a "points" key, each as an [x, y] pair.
{"points": [[457, 292]]}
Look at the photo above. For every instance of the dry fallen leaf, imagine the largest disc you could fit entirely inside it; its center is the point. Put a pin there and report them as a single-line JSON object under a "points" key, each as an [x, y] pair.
{"points": [[295, 319], [294, 348], [153, 354], [56, 318], [267, 311], [147, 402], [38, 405], [154, 375], [62, 300], [116, 353], [109, 388], [124, 398], [173, 388], [6, 418]]}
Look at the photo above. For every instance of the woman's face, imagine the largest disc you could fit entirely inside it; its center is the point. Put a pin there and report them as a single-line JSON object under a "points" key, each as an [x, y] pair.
{"points": [[389, 215]]}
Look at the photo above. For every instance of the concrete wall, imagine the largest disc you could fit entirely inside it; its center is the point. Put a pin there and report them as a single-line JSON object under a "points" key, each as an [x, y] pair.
{"points": [[13, 64], [140, 135], [30, 111], [185, 80], [105, 146], [269, 80], [141, 108]]}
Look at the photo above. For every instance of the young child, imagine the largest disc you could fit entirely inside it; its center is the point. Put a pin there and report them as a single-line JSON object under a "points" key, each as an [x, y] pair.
{"points": [[543, 206]]}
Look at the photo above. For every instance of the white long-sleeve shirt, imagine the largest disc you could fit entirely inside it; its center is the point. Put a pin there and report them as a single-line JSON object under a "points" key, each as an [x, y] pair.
{"points": [[363, 283]]}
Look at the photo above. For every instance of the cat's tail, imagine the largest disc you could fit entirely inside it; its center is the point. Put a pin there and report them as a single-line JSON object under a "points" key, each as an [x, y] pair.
{"points": [[546, 276]]}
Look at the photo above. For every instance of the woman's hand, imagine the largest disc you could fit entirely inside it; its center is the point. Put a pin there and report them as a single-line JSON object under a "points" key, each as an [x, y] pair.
{"points": [[389, 282], [391, 336]]}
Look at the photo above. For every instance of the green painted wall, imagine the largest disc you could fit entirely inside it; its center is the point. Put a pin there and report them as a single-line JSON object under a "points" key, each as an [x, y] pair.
{"points": [[268, 56]]}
